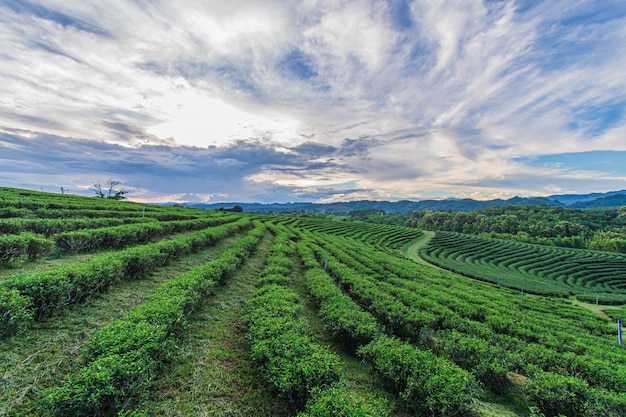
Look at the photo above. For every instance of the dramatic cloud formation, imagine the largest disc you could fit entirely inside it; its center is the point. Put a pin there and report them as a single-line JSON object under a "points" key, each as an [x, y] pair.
{"points": [[314, 100]]}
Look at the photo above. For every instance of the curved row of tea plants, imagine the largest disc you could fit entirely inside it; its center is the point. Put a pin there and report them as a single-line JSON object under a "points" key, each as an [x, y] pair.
{"points": [[123, 358], [386, 268], [37, 294], [536, 268], [15, 247], [481, 331], [375, 234], [424, 382]]}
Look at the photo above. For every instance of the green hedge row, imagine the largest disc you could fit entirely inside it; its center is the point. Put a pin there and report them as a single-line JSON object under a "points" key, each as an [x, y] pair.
{"points": [[67, 284], [429, 384], [17, 316], [13, 212], [393, 315], [375, 234], [281, 345], [119, 236], [305, 373], [603, 298], [556, 395], [49, 227], [539, 269], [416, 316], [337, 401], [25, 245], [279, 337], [123, 358]]}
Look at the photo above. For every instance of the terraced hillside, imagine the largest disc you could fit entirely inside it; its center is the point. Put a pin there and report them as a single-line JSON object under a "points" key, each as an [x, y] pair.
{"points": [[168, 311], [536, 268]]}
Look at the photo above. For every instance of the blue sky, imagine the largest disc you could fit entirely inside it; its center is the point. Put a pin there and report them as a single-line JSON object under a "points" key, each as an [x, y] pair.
{"points": [[314, 100]]}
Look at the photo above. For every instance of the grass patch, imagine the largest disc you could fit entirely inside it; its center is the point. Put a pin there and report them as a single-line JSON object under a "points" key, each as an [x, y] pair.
{"points": [[411, 249], [489, 405]]}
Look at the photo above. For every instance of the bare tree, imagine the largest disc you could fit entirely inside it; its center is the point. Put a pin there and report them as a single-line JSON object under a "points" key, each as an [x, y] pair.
{"points": [[109, 189]]}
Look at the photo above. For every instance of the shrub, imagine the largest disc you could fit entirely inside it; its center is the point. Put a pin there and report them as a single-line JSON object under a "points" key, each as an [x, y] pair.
{"points": [[280, 344], [26, 244], [38, 246], [428, 384], [556, 394], [11, 248], [16, 312]]}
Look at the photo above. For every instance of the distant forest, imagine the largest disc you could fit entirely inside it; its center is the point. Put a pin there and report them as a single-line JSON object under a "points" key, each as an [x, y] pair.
{"points": [[603, 230]]}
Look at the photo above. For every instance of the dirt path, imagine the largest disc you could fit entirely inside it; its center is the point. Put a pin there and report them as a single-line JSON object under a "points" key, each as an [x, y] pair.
{"points": [[411, 249], [596, 308]]}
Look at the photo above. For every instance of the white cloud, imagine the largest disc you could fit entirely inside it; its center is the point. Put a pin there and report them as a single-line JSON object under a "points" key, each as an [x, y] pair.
{"points": [[476, 84]]}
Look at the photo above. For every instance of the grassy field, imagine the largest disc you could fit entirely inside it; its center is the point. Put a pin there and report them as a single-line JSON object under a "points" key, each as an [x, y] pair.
{"points": [[223, 314]]}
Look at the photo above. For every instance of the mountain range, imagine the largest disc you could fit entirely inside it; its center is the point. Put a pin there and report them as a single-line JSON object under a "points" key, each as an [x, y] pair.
{"points": [[594, 200]]}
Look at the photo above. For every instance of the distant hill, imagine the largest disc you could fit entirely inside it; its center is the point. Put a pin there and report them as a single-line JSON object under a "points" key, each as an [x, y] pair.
{"points": [[615, 200], [572, 199], [594, 200], [401, 207]]}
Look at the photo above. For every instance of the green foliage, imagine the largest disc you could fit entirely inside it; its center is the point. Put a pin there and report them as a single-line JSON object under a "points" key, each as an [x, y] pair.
{"points": [[25, 245], [12, 247], [556, 394], [13, 212], [341, 317], [73, 283], [124, 235], [16, 313], [427, 383], [490, 364], [442, 388], [591, 229], [484, 330], [376, 216], [379, 235], [279, 338], [281, 346], [605, 403], [602, 298], [106, 385], [431, 335]]}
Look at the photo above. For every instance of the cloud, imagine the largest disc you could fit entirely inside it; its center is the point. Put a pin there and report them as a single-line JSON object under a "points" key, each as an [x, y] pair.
{"points": [[398, 98]]}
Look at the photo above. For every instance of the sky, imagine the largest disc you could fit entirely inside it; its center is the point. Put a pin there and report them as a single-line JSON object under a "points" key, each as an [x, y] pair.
{"points": [[313, 100]]}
